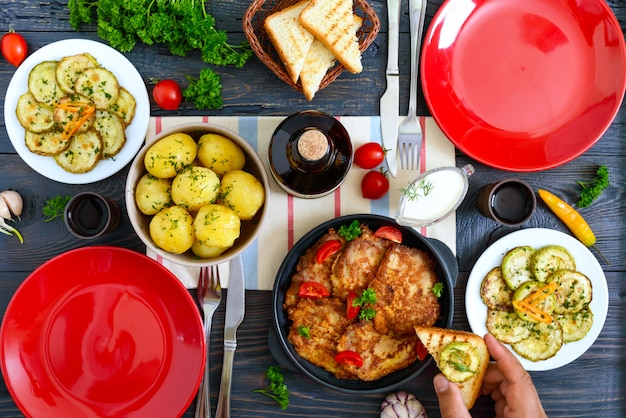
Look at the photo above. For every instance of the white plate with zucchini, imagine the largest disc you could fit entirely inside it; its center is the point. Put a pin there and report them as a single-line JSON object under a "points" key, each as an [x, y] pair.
{"points": [[561, 345], [49, 163]]}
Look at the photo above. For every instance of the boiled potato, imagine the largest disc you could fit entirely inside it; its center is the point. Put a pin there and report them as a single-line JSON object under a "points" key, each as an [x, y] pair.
{"points": [[242, 192], [195, 187], [220, 154], [205, 251], [170, 155], [153, 194], [217, 226], [172, 229]]}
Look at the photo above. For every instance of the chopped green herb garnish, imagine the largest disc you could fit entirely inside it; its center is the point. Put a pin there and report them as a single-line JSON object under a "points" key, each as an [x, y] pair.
{"points": [[304, 331], [591, 190], [277, 389], [351, 231], [437, 289], [365, 301]]}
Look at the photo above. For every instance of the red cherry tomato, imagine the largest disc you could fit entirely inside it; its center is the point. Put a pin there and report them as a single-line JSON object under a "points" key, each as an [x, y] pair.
{"points": [[313, 290], [369, 155], [13, 47], [390, 233], [350, 358], [374, 185], [422, 352], [351, 310], [167, 94], [326, 250]]}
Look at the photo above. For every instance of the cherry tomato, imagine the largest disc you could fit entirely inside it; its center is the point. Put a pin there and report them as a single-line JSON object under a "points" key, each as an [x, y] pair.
{"points": [[350, 358], [422, 352], [167, 94], [13, 47], [351, 310], [369, 155], [374, 185], [390, 233], [326, 250], [313, 290]]}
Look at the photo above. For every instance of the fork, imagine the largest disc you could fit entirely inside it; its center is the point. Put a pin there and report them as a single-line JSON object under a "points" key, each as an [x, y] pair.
{"points": [[410, 131], [209, 296]]}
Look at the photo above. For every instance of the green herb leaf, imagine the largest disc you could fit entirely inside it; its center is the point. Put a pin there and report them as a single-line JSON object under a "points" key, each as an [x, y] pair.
{"points": [[54, 207], [304, 331], [277, 389], [437, 289], [416, 190], [365, 301], [205, 91], [351, 231], [591, 190]]}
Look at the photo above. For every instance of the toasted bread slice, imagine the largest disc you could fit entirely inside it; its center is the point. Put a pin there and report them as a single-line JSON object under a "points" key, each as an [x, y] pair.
{"points": [[291, 40], [469, 378], [331, 23], [318, 61]]}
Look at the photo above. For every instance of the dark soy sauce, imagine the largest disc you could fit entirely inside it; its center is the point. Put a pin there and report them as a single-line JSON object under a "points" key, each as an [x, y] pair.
{"points": [[511, 203], [89, 216]]}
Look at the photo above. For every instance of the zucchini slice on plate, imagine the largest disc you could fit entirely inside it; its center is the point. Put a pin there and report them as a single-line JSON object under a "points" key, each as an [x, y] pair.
{"points": [[516, 266], [83, 153], [549, 259], [573, 291], [71, 67], [42, 83], [507, 327], [495, 292], [544, 342], [576, 325], [32, 115], [99, 85], [46, 143], [546, 303], [111, 131]]}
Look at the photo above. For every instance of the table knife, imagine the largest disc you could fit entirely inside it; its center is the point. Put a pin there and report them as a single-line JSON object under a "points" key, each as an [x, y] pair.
{"points": [[389, 102], [235, 310]]}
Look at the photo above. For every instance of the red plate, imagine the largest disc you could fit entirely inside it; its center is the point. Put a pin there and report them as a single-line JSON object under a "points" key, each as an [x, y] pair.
{"points": [[102, 331], [524, 85]]}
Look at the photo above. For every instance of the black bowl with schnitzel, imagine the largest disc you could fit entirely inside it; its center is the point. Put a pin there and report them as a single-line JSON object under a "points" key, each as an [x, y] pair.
{"points": [[445, 269]]}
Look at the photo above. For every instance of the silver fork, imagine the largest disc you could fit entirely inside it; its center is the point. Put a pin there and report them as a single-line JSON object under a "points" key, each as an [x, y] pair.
{"points": [[209, 296], [410, 131]]}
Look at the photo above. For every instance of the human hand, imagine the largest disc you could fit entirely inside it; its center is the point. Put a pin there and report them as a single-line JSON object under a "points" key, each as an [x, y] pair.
{"points": [[509, 384]]}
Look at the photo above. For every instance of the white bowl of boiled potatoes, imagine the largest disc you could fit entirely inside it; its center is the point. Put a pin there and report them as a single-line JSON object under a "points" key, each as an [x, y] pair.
{"points": [[197, 194]]}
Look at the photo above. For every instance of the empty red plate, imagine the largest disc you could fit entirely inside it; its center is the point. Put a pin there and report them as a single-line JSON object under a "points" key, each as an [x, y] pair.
{"points": [[524, 85], [102, 331]]}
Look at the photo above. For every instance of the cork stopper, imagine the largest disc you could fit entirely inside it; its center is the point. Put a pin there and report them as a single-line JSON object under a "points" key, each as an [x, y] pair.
{"points": [[312, 145]]}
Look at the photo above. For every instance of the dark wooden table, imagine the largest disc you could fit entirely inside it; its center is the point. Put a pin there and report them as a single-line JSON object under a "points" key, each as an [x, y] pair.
{"points": [[592, 386]]}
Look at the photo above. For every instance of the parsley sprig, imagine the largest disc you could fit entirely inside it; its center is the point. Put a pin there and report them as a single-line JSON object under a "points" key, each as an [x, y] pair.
{"points": [[591, 190], [54, 207], [204, 91], [277, 389], [350, 232], [366, 301]]}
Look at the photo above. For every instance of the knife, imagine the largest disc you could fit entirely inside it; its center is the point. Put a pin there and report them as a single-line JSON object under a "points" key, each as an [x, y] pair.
{"points": [[389, 102], [235, 310]]}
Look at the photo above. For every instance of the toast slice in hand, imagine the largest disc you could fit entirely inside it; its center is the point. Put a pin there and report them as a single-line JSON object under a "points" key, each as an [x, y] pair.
{"points": [[318, 61], [331, 22], [461, 356], [290, 39]]}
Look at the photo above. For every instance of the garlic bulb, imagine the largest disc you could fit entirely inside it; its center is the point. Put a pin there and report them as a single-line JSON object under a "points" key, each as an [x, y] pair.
{"points": [[402, 405], [13, 202]]}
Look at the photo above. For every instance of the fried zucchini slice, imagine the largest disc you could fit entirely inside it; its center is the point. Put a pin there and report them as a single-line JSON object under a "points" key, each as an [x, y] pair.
{"points": [[549, 259], [576, 325], [112, 133], [507, 327], [33, 115], [46, 143], [459, 361], [124, 107], [544, 342], [42, 83], [573, 293], [546, 304], [69, 68], [83, 153], [99, 85], [516, 266], [63, 116], [494, 291]]}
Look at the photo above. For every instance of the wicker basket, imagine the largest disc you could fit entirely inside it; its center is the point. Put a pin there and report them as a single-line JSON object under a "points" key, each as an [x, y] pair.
{"points": [[262, 45]]}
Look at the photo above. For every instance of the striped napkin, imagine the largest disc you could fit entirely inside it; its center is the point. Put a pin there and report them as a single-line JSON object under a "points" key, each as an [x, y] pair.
{"points": [[293, 217]]}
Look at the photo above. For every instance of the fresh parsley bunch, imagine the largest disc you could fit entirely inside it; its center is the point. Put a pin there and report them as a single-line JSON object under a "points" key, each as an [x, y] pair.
{"points": [[277, 389], [591, 190]]}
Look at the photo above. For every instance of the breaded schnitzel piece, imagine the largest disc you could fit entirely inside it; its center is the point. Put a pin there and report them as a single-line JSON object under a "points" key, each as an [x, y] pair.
{"points": [[308, 270], [357, 264], [381, 354], [404, 291], [325, 320]]}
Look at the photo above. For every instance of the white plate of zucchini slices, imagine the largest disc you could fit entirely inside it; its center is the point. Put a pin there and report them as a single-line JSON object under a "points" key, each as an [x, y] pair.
{"points": [[520, 290], [80, 129]]}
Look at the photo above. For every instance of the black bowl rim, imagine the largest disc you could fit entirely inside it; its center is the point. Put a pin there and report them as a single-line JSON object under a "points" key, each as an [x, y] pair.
{"points": [[283, 278]]}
